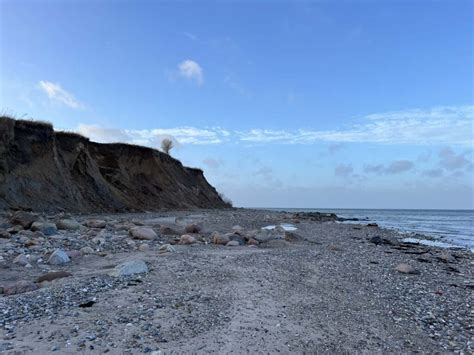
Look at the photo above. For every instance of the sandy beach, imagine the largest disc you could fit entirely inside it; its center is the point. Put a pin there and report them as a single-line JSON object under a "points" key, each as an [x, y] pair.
{"points": [[325, 287]]}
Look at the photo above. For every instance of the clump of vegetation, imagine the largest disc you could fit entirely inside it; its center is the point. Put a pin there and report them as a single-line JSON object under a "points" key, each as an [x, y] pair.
{"points": [[167, 145]]}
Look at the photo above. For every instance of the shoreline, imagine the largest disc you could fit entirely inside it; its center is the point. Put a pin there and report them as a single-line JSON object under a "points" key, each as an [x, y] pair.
{"points": [[324, 287]]}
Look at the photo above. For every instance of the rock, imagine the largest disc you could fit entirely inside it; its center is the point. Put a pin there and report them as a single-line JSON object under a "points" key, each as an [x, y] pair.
{"points": [[237, 228], [192, 228], [165, 230], [59, 257], [95, 223], [372, 225], [253, 242], [187, 239], [233, 243], [46, 228], [143, 233], [445, 257], [73, 253], [87, 250], [21, 260], [4, 235], [237, 238], [98, 240], [15, 229], [406, 269], [220, 239], [266, 235], [50, 276], [293, 237], [24, 219], [166, 248], [19, 287], [377, 240], [143, 247], [130, 267], [68, 224]]}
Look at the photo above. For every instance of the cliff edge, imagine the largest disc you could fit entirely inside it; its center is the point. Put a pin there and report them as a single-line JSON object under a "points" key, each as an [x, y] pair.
{"points": [[44, 170]]}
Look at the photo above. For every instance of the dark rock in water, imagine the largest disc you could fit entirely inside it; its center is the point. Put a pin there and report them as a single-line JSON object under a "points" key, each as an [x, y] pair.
{"points": [[24, 219], [49, 171], [316, 216], [372, 225]]}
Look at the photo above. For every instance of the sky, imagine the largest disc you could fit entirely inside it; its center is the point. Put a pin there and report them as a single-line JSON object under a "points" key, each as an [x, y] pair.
{"points": [[303, 104]]}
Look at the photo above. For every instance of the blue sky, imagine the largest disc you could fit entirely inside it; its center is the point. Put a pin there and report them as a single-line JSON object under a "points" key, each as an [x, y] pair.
{"points": [[345, 104]]}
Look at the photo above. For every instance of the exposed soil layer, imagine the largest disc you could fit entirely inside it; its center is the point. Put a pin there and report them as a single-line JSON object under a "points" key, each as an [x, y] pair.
{"points": [[44, 170]]}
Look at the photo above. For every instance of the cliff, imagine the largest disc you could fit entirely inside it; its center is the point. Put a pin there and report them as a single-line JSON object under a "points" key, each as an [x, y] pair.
{"points": [[44, 170]]}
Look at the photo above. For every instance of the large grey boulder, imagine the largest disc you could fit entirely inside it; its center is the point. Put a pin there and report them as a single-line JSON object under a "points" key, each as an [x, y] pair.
{"points": [[130, 267], [59, 257], [68, 224], [143, 233]]}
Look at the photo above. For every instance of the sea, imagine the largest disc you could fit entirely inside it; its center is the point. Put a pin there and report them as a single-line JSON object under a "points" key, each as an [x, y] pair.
{"points": [[445, 228]]}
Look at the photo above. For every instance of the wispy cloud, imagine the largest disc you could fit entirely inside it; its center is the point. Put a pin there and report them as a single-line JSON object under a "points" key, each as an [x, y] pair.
{"points": [[191, 70], [441, 125], [449, 160], [59, 95], [395, 167], [153, 137], [191, 36], [438, 126], [343, 170]]}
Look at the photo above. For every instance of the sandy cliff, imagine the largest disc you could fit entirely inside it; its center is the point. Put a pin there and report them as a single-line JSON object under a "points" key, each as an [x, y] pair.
{"points": [[46, 170]]}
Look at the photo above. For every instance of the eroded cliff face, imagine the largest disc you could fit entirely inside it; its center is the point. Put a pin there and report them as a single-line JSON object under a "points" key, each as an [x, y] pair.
{"points": [[45, 170]]}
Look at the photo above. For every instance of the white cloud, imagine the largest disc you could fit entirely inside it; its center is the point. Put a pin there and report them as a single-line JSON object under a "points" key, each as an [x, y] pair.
{"points": [[153, 137], [441, 125], [56, 93], [191, 70], [438, 126]]}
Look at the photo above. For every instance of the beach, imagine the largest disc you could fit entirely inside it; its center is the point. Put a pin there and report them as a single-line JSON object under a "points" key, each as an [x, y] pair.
{"points": [[214, 281]]}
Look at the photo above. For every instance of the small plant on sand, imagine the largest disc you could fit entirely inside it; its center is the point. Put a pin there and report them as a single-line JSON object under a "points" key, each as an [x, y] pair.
{"points": [[167, 145]]}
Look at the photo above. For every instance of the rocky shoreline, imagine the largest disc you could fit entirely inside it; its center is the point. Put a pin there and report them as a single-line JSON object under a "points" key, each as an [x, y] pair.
{"points": [[217, 281]]}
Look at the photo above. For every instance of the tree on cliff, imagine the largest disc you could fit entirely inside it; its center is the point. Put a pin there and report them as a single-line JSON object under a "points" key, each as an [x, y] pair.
{"points": [[167, 145]]}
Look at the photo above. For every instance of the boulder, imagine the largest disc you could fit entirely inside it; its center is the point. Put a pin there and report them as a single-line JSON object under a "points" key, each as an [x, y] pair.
{"points": [[130, 267], [87, 250], [19, 287], [143, 247], [95, 223], [293, 237], [192, 228], [50, 276], [165, 230], [233, 243], [143, 233], [46, 228], [187, 239], [21, 259], [266, 235], [406, 269], [4, 235], [68, 224], [24, 219], [59, 257], [218, 238], [253, 242], [237, 238], [166, 248]]}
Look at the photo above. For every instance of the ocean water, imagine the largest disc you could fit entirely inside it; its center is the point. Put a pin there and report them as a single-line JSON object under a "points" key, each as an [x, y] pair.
{"points": [[448, 227]]}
